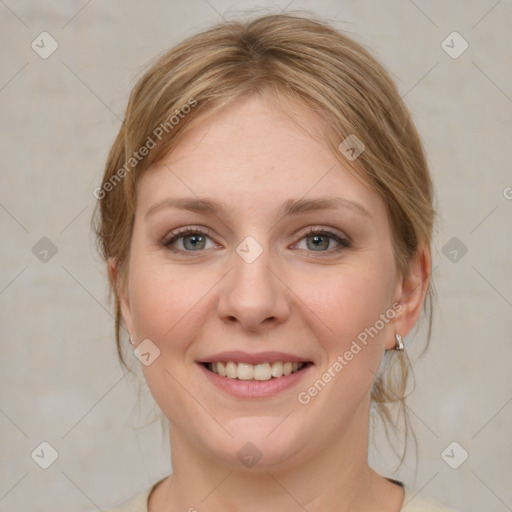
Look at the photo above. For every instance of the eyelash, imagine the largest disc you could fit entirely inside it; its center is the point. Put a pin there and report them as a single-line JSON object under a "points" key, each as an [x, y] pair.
{"points": [[344, 243], [179, 233]]}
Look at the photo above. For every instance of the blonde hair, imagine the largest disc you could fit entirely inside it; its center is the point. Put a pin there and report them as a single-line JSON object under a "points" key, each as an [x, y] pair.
{"points": [[313, 65]]}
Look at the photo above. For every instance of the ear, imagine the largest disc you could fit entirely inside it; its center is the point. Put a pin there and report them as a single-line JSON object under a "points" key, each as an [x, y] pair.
{"points": [[410, 293], [120, 287]]}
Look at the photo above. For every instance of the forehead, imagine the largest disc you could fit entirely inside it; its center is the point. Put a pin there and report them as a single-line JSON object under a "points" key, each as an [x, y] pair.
{"points": [[253, 153]]}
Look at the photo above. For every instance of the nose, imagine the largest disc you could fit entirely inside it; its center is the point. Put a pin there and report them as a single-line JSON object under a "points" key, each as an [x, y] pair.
{"points": [[253, 295]]}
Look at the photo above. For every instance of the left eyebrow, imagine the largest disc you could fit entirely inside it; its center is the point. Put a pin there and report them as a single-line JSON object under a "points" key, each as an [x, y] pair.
{"points": [[290, 207], [295, 206]]}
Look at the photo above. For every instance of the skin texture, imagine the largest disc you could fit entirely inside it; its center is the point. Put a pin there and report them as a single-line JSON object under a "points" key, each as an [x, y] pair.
{"points": [[295, 297]]}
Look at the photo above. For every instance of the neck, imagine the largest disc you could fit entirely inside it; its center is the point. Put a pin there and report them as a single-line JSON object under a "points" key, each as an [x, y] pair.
{"points": [[336, 477]]}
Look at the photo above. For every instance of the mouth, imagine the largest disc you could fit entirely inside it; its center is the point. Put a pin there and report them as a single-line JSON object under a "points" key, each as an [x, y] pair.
{"points": [[255, 372], [254, 376]]}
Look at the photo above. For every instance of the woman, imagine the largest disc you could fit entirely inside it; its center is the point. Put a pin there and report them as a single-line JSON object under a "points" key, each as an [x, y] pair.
{"points": [[266, 217]]}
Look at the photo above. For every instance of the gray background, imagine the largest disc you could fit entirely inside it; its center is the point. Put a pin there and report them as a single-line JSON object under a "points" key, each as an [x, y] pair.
{"points": [[61, 381]]}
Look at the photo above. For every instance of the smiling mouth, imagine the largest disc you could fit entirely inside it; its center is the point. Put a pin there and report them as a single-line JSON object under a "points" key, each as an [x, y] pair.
{"points": [[261, 372]]}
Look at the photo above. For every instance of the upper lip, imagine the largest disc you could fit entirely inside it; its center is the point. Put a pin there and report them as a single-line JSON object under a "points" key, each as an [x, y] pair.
{"points": [[255, 358]]}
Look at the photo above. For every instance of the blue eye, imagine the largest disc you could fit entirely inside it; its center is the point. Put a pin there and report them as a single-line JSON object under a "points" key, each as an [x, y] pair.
{"points": [[196, 240], [321, 240], [191, 240]]}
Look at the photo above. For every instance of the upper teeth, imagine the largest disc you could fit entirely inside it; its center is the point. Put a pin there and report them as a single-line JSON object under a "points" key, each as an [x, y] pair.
{"points": [[246, 371]]}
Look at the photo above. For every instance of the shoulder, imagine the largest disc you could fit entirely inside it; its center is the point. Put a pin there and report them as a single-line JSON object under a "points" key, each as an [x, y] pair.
{"points": [[415, 502], [138, 503]]}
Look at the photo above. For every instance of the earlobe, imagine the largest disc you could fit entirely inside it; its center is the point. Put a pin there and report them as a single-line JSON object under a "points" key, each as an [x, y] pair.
{"points": [[411, 293]]}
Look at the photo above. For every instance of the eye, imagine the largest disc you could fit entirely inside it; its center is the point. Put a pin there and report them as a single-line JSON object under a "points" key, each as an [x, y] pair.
{"points": [[317, 239], [188, 240], [322, 240]]}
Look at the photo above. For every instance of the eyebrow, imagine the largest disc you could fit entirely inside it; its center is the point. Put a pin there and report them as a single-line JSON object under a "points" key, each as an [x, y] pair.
{"points": [[289, 208]]}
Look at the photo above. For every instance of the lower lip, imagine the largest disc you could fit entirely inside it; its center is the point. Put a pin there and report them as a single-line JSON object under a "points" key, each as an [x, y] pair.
{"points": [[254, 388]]}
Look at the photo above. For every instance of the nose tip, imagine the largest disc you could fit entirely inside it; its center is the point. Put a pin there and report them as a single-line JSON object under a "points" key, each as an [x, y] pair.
{"points": [[252, 296]]}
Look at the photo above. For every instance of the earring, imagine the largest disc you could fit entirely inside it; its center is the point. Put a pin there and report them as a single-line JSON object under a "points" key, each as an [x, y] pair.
{"points": [[399, 344], [131, 341]]}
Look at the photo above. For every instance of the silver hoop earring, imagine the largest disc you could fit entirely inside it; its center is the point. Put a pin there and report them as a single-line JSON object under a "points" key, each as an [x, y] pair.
{"points": [[131, 341], [399, 344]]}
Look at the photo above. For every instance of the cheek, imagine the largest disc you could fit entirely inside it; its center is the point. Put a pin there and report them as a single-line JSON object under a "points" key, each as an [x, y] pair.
{"points": [[351, 298], [168, 306], [354, 305], [167, 303], [350, 305]]}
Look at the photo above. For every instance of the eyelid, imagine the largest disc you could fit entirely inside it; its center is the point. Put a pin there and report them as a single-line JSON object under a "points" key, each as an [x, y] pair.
{"points": [[323, 229], [171, 238], [343, 240], [186, 230]]}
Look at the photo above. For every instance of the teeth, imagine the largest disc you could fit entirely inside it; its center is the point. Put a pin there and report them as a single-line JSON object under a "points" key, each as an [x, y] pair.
{"points": [[231, 370], [262, 372], [277, 369], [246, 371]]}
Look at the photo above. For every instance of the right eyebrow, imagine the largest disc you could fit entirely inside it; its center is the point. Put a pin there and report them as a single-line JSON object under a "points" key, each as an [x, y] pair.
{"points": [[186, 203]]}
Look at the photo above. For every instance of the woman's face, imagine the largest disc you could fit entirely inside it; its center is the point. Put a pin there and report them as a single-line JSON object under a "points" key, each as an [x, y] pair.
{"points": [[286, 258]]}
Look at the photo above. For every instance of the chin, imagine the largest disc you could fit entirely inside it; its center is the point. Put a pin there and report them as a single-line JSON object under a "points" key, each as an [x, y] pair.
{"points": [[258, 444]]}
